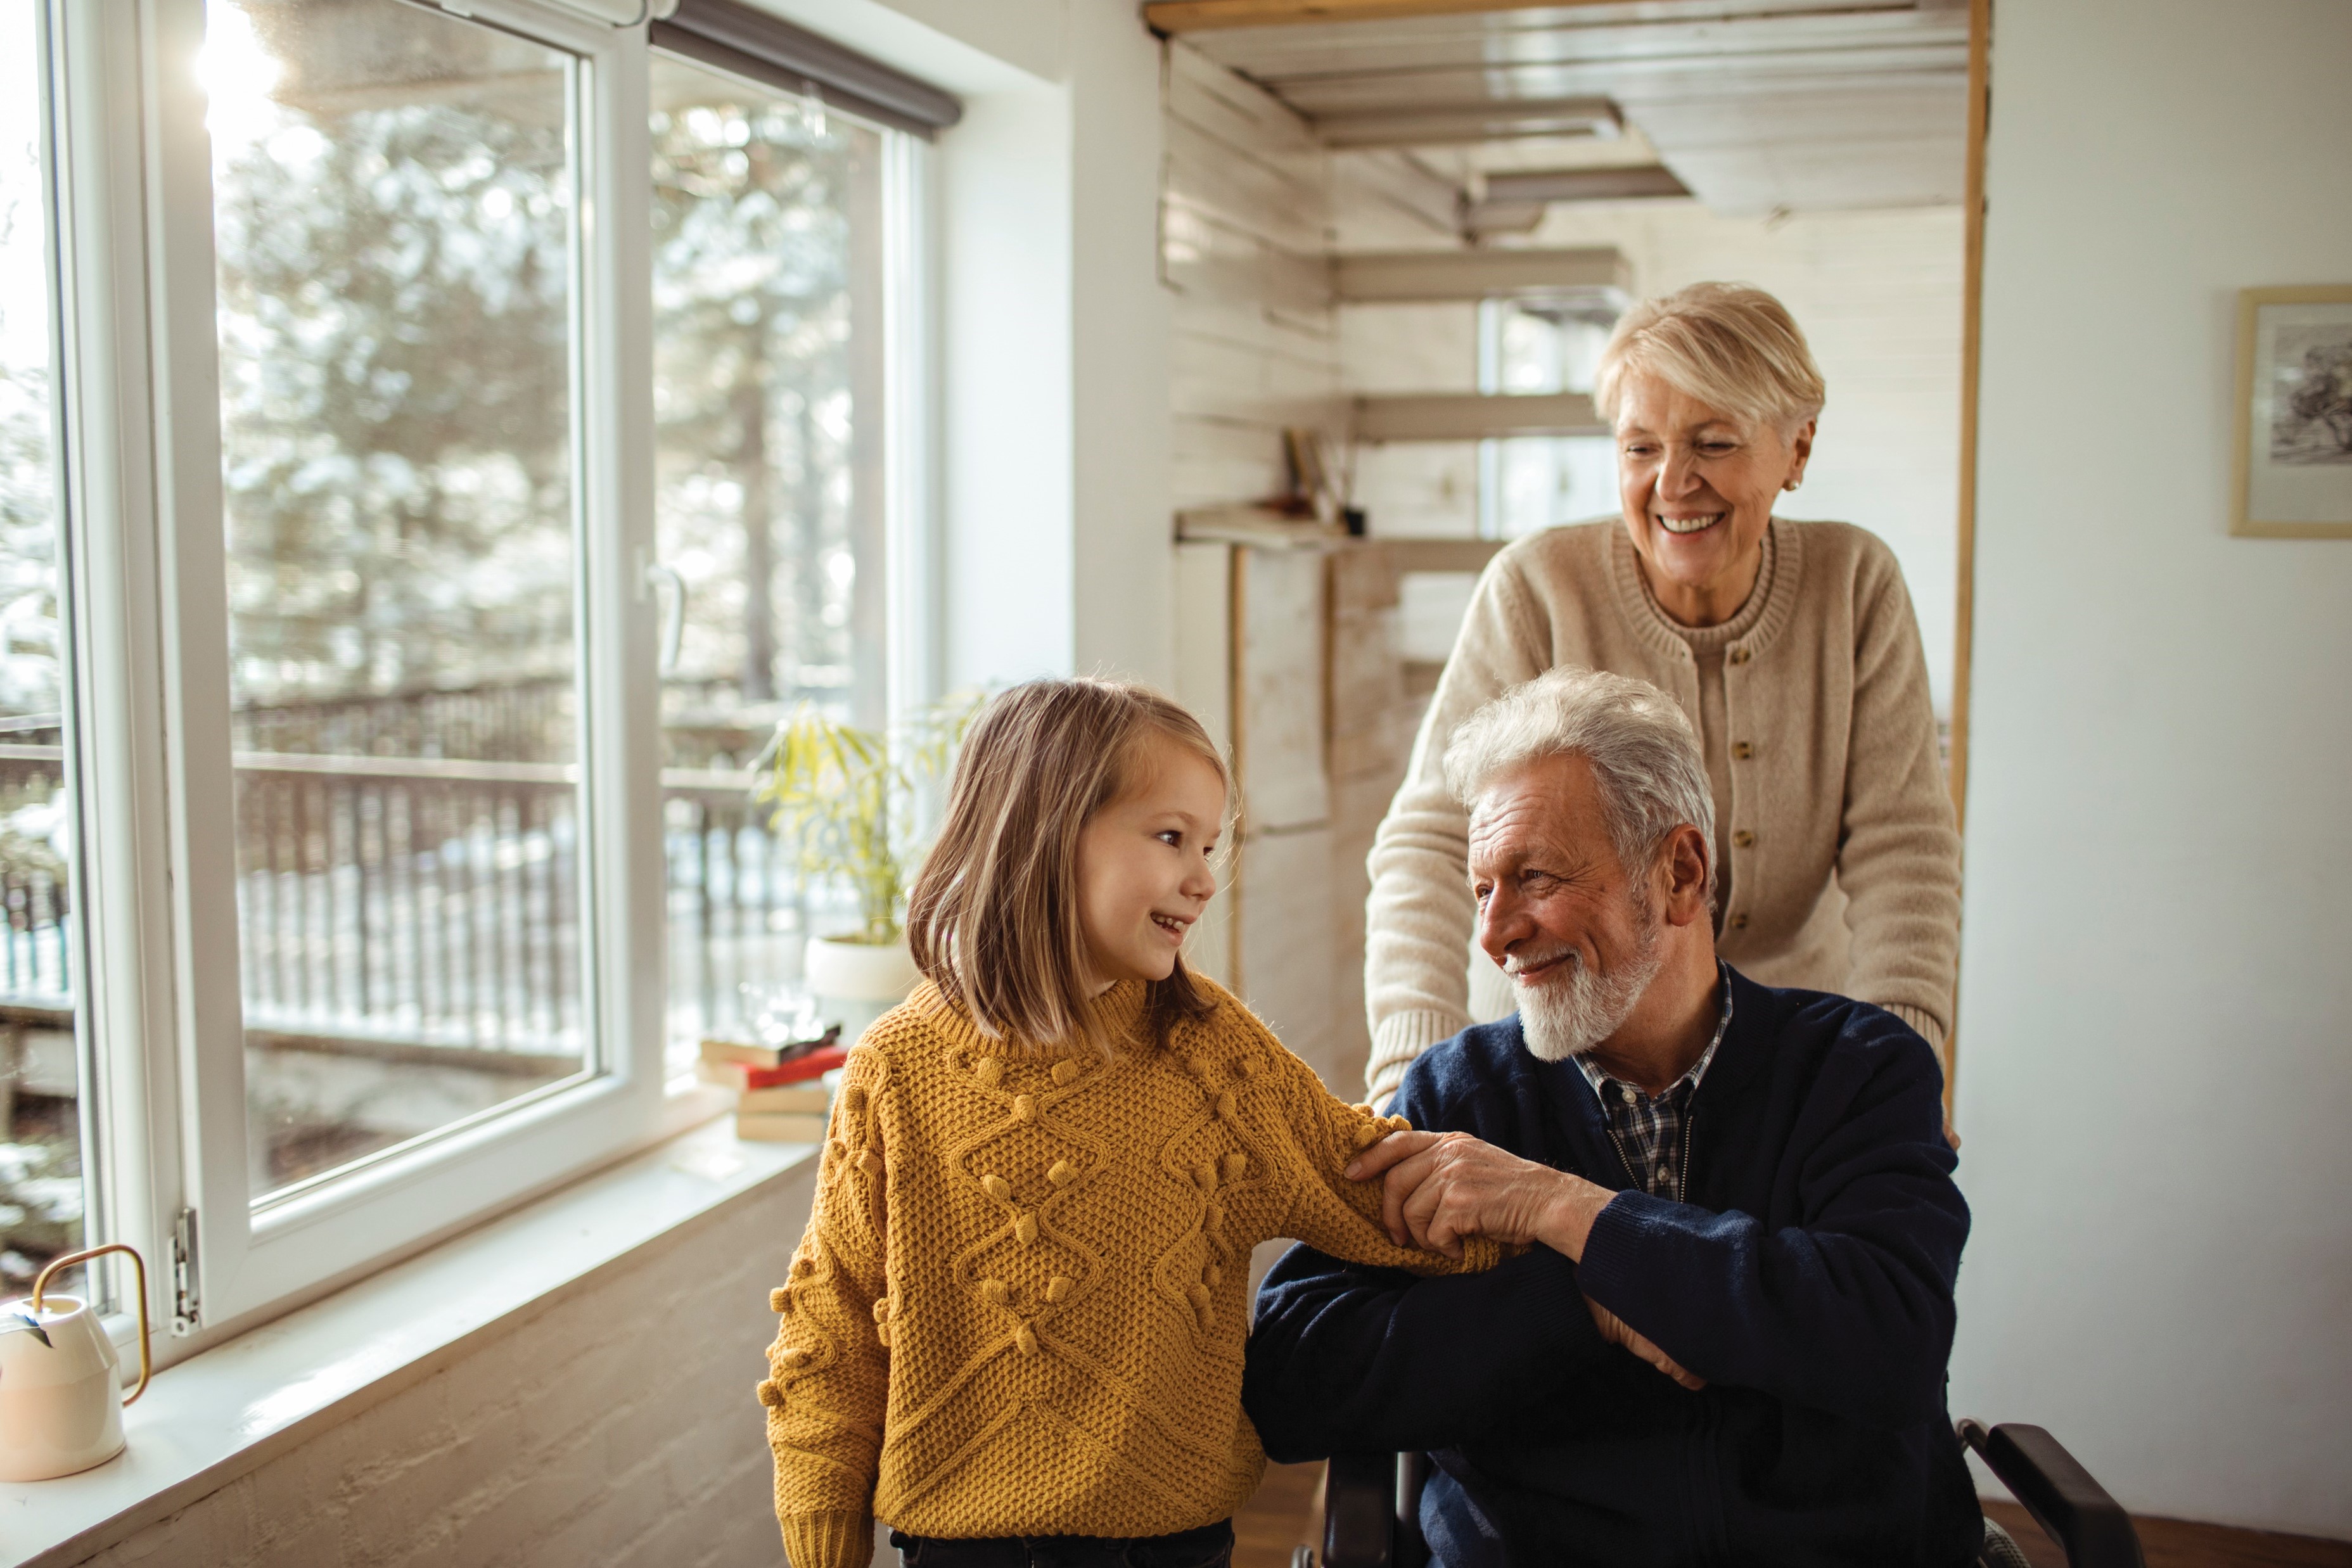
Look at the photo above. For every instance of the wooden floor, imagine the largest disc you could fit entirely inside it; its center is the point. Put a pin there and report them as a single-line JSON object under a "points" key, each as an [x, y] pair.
{"points": [[2179, 1544], [1287, 1513]]}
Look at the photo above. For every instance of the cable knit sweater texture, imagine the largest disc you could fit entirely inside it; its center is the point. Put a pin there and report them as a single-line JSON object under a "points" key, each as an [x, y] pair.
{"points": [[1843, 870], [1020, 1305]]}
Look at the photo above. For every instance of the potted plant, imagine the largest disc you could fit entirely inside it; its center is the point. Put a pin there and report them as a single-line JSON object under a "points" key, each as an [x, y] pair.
{"points": [[845, 801]]}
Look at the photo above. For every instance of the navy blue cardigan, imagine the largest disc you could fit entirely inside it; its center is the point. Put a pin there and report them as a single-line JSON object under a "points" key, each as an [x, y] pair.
{"points": [[1809, 1280]]}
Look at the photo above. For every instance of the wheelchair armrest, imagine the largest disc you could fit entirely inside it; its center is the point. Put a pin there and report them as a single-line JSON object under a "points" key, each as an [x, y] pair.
{"points": [[1371, 1510], [1360, 1511], [2061, 1496]]}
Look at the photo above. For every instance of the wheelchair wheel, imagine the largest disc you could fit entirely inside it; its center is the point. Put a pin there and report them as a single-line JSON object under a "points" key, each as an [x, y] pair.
{"points": [[2000, 1549]]}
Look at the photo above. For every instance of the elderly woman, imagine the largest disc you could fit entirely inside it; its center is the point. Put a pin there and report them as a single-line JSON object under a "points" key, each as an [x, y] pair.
{"points": [[1790, 646]]}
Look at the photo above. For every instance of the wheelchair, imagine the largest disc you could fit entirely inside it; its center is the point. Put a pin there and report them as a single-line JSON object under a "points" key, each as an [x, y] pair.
{"points": [[1371, 1506]]}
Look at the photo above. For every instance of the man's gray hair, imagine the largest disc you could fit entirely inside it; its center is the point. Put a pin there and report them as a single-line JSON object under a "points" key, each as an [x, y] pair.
{"points": [[1645, 757]]}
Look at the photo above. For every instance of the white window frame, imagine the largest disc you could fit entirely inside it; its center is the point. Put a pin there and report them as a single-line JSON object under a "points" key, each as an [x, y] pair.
{"points": [[147, 730], [911, 391], [162, 1006]]}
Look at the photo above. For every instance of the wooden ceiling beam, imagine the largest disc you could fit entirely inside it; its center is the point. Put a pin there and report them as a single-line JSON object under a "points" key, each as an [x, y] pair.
{"points": [[1170, 17], [1494, 121]]}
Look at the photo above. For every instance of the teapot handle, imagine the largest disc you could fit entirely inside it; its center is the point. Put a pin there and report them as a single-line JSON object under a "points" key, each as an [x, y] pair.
{"points": [[136, 1262]]}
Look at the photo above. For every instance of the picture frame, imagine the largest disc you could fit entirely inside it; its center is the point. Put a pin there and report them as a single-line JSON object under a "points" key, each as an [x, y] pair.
{"points": [[2293, 473]]}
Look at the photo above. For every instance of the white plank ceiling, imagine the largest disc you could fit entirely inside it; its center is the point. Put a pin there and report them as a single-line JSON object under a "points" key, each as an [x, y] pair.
{"points": [[1757, 105]]}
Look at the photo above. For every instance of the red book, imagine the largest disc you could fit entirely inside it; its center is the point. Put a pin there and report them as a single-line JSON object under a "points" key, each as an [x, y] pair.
{"points": [[800, 1069], [720, 1052]]}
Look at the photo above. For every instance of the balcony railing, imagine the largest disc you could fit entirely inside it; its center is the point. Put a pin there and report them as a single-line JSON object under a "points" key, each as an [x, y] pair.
{"points": [[393, 906]]}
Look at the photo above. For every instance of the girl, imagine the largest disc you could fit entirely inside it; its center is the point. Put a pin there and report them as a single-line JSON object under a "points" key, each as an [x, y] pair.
{"points": [[1019, 1308]]}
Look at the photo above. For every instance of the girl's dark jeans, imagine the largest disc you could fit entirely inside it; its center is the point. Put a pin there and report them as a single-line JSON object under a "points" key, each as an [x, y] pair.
{"points": [[1211, 1546]]}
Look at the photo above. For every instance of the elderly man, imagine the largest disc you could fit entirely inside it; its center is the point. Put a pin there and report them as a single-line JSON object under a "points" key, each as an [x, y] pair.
{"points": [[1725, 1339]]}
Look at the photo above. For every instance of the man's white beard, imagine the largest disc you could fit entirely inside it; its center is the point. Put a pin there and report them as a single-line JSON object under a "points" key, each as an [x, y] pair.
{"points": [[1574, 1010]]}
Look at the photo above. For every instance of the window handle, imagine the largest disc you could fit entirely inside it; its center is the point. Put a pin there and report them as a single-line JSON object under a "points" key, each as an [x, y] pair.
{"points": [[658, 576]]}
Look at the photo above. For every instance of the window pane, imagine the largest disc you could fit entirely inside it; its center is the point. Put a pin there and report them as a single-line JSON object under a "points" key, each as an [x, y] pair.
{"points": [[767, 355], [394, 208], [40, 1140], [1537, 482]]}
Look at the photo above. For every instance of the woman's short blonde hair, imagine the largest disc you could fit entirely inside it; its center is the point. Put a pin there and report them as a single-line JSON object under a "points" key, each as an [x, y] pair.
{"points": [[1729, 345], [992, 919]]}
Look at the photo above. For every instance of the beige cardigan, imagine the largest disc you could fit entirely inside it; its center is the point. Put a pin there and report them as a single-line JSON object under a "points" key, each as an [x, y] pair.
{"points": [[1845, 873]]}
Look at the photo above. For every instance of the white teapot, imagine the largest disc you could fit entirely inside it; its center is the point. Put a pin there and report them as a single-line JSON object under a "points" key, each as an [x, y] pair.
{"points": [[61, 1382]]}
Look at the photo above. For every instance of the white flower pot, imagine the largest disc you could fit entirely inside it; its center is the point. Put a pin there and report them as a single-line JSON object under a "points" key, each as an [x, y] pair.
{"points": [[858, 971], [856, 982]]}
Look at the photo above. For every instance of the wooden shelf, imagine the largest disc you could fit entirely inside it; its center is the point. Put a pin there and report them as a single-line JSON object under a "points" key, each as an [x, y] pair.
{"points": [[1469, 416], [1443, 555], [1412, 278]]}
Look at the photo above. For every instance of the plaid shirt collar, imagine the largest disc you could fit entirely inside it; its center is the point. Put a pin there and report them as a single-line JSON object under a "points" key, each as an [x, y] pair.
{"points": [[1650, 1132]]}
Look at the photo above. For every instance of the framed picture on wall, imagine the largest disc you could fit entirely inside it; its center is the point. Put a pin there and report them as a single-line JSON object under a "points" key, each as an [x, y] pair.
{"points": [[2294, 414]]}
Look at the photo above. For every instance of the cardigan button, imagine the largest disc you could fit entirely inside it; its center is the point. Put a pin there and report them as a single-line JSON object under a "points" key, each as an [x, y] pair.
{"points": [[1742, 750], [1742, 838], [1740, 922], [1739, 655]]}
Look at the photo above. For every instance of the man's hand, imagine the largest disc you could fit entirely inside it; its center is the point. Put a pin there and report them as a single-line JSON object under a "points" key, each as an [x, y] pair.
{"points": [[1616, 1331], [1439, 1188]]}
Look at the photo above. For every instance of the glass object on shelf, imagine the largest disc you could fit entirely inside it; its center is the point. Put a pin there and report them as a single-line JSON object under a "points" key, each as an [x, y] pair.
{"points": [[779, 1014], [395, 207], [41, 1185], [768, 363]]}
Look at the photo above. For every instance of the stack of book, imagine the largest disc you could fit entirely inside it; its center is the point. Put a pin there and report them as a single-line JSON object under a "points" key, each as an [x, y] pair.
{"points": [[783, 1092]]}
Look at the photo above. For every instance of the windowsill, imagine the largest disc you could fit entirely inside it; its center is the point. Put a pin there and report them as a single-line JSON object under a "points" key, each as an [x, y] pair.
{"points": [[226, 1412]]}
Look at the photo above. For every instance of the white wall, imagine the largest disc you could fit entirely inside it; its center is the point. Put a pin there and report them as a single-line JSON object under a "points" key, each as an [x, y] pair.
{"points": [[1008, 568], [1124, 620], [2156, 988], [1051, 330]]}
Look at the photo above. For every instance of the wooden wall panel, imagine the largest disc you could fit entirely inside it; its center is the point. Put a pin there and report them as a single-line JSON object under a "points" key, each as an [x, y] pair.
{"points": [[1204, 684], [1289, 959], [1372, 722], [1245, 240], [1293, 650], [1226, 105], [1217, 185], [1278, 689]]}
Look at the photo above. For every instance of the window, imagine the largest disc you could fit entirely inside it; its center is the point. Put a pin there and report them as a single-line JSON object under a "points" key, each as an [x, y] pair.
{"points": [[393, 219], [551, 468], [770, 507], [1526, 346], [1535, 482], [41, 1188]]}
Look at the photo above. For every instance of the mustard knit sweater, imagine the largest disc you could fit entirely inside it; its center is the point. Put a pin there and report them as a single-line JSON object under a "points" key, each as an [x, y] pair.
{"points": [[1020, 1305]]}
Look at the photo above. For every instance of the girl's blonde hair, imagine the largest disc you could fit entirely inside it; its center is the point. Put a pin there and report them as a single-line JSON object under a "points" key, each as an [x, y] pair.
{"points": [[1729, 345], [993, 920]]}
